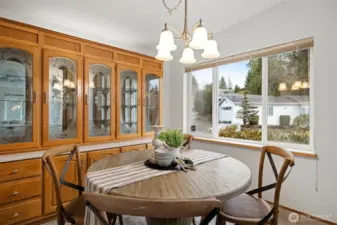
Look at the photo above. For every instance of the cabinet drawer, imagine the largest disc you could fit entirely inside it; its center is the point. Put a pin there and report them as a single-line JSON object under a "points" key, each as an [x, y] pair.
{"points": [[19, 190], [21, 169], [20, 212], [133, 147]]}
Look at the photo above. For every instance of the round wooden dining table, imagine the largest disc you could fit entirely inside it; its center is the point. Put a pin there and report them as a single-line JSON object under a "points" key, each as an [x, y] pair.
{"points": [[223, 178]]}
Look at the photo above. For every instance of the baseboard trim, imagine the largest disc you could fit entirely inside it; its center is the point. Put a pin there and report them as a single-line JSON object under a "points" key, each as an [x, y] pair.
{"points": [[40, 220], [305, 214]]}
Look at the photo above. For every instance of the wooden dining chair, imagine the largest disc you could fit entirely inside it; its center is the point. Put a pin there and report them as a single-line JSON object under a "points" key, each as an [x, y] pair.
{"points": [[75, 210], [187, 141], [247, 209], [160, 209]]}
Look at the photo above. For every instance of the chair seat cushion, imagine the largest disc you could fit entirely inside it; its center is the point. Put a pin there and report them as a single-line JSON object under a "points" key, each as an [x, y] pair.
{"points": [[76, 208], [246, 207]]}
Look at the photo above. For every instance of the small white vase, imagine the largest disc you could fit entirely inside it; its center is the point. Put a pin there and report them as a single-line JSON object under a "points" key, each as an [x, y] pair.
{"points": [[175, 151]]}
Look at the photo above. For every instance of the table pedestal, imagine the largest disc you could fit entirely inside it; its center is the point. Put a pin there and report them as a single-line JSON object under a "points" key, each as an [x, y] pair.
{"points": [[179, 221]]}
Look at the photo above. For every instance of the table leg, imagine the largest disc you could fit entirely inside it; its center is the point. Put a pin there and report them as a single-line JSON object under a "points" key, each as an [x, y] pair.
{"points": [[179, 221]]}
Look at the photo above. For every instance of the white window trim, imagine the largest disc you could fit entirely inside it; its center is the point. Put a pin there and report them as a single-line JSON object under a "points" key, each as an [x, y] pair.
{"points": [[290, 146]]}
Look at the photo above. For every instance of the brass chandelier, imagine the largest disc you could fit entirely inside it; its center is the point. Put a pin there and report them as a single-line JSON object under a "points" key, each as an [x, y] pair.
{"points": [[200, 39]]}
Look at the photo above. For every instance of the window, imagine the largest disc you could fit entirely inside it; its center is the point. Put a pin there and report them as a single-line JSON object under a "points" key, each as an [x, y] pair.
{"points": [[264, 98], [201, 101], [288, 88], [270, 110], [239, 89]]}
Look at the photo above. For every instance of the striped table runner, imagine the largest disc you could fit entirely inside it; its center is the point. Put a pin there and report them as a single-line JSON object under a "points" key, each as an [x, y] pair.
{"points": [[104, 180]]}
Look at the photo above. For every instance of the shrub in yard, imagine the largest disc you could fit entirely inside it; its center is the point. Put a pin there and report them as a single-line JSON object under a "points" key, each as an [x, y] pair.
{"points": [[285, 120], [244, 133], [253, 120], [302, 121], [298, 136]]}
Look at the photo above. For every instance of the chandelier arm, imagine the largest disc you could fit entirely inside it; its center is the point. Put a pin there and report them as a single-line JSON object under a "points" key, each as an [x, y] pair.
{"points": [[196, 25], [174, 30]]}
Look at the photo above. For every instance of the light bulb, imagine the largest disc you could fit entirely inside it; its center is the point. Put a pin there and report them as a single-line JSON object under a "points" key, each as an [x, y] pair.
{"points": [[187, 56]]}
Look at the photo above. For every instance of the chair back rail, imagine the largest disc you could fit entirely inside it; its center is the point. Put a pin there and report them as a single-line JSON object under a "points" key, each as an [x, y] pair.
{"points": [[49, 164], [152, 208], [288, 161], [188, 141]]}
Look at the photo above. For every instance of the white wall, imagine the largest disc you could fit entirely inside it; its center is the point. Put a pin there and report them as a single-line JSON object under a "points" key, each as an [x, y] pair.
{"points": [[312, 185]]}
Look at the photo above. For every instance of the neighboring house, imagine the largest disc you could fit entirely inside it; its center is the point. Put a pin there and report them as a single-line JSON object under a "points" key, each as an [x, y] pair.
{"points": [[229, 105]]}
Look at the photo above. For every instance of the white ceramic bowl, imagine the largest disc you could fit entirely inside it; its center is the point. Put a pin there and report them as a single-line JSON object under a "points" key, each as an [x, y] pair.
{"points": [[164, 162]]}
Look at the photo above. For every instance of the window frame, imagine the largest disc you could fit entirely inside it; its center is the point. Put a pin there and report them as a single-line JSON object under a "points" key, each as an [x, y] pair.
{"points": [[264, 112]]}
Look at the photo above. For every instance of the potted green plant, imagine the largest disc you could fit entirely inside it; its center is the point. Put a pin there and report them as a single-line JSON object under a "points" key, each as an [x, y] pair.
{"points": [[173, 139]]}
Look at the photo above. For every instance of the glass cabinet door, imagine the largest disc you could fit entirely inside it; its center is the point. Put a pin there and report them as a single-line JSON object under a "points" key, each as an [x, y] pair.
{"points": [[152, 89], [18, 108], [99, 101], [62, 106], [128, 98]]}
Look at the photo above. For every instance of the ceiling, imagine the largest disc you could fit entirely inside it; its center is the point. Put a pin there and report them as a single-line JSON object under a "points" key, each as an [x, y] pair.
{"points": [[132, 24]]}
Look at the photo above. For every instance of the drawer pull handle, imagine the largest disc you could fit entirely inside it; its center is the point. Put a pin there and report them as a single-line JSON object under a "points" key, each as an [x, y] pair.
{"points": [[15, 215], [15, 193], [15, 171]]}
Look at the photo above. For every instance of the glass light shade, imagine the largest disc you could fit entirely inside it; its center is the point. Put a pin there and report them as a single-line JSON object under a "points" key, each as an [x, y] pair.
{"points": [[294, 87], [164, 55], [166, 41], [199, 38], [298, 84], [282, 87], [188, 56], [305, 85], [211, 50]]}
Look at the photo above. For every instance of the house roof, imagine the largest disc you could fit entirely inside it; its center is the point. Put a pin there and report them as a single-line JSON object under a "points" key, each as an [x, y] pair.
{"points": [[257, 99]]}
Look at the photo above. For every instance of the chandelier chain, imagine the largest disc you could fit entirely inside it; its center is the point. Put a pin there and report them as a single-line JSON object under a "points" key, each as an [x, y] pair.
{"points": [[171, 9]]}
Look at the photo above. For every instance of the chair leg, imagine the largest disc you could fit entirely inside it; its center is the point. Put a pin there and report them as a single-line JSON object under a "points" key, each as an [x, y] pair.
{"points": [[114, 219], [193, 221], [60, 220], [120, 219]]}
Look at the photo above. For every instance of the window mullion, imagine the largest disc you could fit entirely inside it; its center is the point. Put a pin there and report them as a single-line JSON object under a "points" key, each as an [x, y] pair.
{"points": [[264, 99], [215, 101]]}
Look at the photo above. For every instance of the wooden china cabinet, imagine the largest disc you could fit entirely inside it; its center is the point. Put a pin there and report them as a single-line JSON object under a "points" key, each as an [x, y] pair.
{"points": [[128, 101], [19, 88], [62, 98], [152, 83], [57, 89], [99, 100]]}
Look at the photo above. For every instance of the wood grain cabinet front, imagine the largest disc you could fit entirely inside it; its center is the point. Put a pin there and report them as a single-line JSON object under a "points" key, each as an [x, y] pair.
{"points": [[97, 155], [20, 212], [67, 193], [21, 169], [133, 147], [19, 190]]}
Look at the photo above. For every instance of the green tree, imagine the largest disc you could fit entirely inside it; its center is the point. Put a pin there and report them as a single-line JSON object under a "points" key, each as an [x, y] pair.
{"points": [[222, 83], [253, 83], [237, 89], [230, 84], [203, 100], [247, 111]]}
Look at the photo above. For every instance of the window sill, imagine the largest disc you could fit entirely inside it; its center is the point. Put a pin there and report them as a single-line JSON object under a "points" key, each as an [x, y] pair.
{"points": [[253, 146]]}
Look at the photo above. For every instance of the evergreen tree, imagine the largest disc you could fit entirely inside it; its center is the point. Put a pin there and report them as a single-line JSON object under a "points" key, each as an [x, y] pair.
{"points": [[247, 111], [222, 83], [237, 89], [230, 84]]}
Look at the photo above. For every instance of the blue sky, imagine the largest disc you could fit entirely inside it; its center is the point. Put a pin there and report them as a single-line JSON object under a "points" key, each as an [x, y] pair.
{"points": [[237, 72]]}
